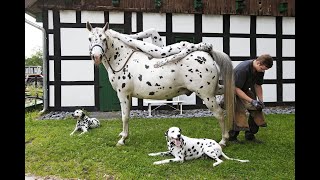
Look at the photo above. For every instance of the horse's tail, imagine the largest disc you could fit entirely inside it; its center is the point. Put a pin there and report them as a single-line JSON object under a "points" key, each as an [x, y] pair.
{"points": [[226, 71]]}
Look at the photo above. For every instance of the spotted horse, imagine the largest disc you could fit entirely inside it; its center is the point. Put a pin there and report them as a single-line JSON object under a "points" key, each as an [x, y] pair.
{"points": [[132, 73]]}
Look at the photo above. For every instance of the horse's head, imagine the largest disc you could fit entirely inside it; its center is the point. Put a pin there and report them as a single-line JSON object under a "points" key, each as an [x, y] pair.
{"points": [[98, 42]]}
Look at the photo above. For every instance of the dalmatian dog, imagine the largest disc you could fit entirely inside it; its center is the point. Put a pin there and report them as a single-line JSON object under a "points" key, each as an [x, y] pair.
{"points": [[157, 49], [186, 148], [84, 123]]}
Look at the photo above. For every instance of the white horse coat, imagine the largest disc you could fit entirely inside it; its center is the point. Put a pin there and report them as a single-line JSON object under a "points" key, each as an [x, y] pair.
{"points": [[132, 73]]}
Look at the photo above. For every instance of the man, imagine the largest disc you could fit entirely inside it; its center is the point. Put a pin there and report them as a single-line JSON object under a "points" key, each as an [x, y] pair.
{"points": [[249, 97]]}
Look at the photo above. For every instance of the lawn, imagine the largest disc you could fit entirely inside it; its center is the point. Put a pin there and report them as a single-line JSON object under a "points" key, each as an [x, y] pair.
{"points": [[49, 150]]}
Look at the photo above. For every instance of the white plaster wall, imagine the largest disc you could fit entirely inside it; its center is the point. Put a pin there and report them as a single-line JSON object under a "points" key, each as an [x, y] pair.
{"points": [[134, 22], [269, 92], [50, 19], [68, 16], [240, 24], [77, 95], [271, 73], [217, 42], [235, 63], [266, 25], [288, 92], [212, 23], [182, 23], [92, 16], [51, 70], [74, 42], [288, 70], [74, 70], [288, 48], [188, 100], [134, 101], [51, 95], [51, 45], [154, 20], [266, 46], [239, 46], [116, 17], [288, 25]]}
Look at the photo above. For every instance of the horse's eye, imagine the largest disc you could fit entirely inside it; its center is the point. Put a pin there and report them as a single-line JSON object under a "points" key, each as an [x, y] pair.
{"points": [[90, 39]]}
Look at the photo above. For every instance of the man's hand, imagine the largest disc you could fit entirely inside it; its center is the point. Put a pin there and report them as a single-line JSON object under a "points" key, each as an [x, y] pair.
{"points": [[256, 104], [261, 104]]}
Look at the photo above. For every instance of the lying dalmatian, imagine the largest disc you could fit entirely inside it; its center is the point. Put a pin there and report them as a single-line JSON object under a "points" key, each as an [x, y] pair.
{"points": [[186, 148], [84, 122], [157, 49]]}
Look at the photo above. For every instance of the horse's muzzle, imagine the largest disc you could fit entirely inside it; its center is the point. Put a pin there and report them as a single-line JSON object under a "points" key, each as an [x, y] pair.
{"points": [[97, 59]]}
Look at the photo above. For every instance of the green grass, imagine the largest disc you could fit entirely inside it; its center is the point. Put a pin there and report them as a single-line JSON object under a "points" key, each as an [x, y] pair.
{"points": [[49, 150]]}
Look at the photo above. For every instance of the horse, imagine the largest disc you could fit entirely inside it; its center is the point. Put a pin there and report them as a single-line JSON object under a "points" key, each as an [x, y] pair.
{"points": [[133, 73]]}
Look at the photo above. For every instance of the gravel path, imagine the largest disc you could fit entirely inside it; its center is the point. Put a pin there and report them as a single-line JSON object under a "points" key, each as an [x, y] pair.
{"points": [[160, 113]]}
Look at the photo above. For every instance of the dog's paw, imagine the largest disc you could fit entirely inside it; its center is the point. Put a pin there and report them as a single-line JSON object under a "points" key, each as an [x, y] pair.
{"points": [[152, 154], [157, 163]]}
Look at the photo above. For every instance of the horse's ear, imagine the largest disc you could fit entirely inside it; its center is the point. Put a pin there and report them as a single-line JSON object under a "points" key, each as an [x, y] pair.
{"points": [[106, 26], [88, 25]]}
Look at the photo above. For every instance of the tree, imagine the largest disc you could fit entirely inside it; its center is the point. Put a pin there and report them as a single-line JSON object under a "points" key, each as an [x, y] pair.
{"points": [[35, 59]]}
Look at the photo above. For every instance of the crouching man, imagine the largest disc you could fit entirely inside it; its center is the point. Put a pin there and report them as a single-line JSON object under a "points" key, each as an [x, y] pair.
{"points": [[249, 97]]}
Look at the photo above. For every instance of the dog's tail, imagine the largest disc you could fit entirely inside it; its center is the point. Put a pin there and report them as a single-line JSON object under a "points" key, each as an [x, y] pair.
{"points": [[225, 156]]}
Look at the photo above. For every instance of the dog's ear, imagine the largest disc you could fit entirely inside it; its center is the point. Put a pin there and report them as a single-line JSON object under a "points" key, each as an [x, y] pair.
{"points": [[83, 114]]}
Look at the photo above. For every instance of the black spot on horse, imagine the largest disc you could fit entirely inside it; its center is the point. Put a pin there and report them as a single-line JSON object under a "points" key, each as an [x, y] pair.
{"points": [[140, 77]]}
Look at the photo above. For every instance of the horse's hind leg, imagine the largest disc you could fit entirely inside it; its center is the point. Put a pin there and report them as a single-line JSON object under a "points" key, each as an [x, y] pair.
{"points": [[217, 111], [125, 103]]}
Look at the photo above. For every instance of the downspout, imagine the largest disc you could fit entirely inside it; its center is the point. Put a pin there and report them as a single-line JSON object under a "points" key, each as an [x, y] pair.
{"points": [[44, 65]]}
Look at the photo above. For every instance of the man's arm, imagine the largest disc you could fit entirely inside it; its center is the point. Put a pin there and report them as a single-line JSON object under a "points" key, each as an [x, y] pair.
{"points": [[258, 89], [242, 95]]}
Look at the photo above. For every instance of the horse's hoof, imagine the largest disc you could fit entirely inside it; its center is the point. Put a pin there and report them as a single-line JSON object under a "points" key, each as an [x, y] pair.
{"points": [[120, 144]]}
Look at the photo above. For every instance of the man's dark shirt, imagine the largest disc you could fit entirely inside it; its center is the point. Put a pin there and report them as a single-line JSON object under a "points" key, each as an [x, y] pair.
{"points": [[244, 76]]}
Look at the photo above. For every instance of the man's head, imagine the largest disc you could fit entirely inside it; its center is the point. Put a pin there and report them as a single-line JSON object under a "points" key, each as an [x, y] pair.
{"points": [[263, 62]]}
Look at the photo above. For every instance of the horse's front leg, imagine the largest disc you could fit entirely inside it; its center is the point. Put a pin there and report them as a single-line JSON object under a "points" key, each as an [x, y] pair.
{"points": [[125, 103]]}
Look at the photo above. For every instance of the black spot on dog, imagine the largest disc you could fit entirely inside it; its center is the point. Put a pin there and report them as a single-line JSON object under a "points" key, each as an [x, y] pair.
{"points": [[190, 80], [149, 84], [146, 66], [119, 77], [160, 77], [186, 75], [115, 57], [201, 87], [140, 77], [170, 87], [172, 70], [157, 84], [129, 76], [123, 77], [209, 83], [151, 93], [163, 54], [123, 85], [213, 77], [190, 70]]}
